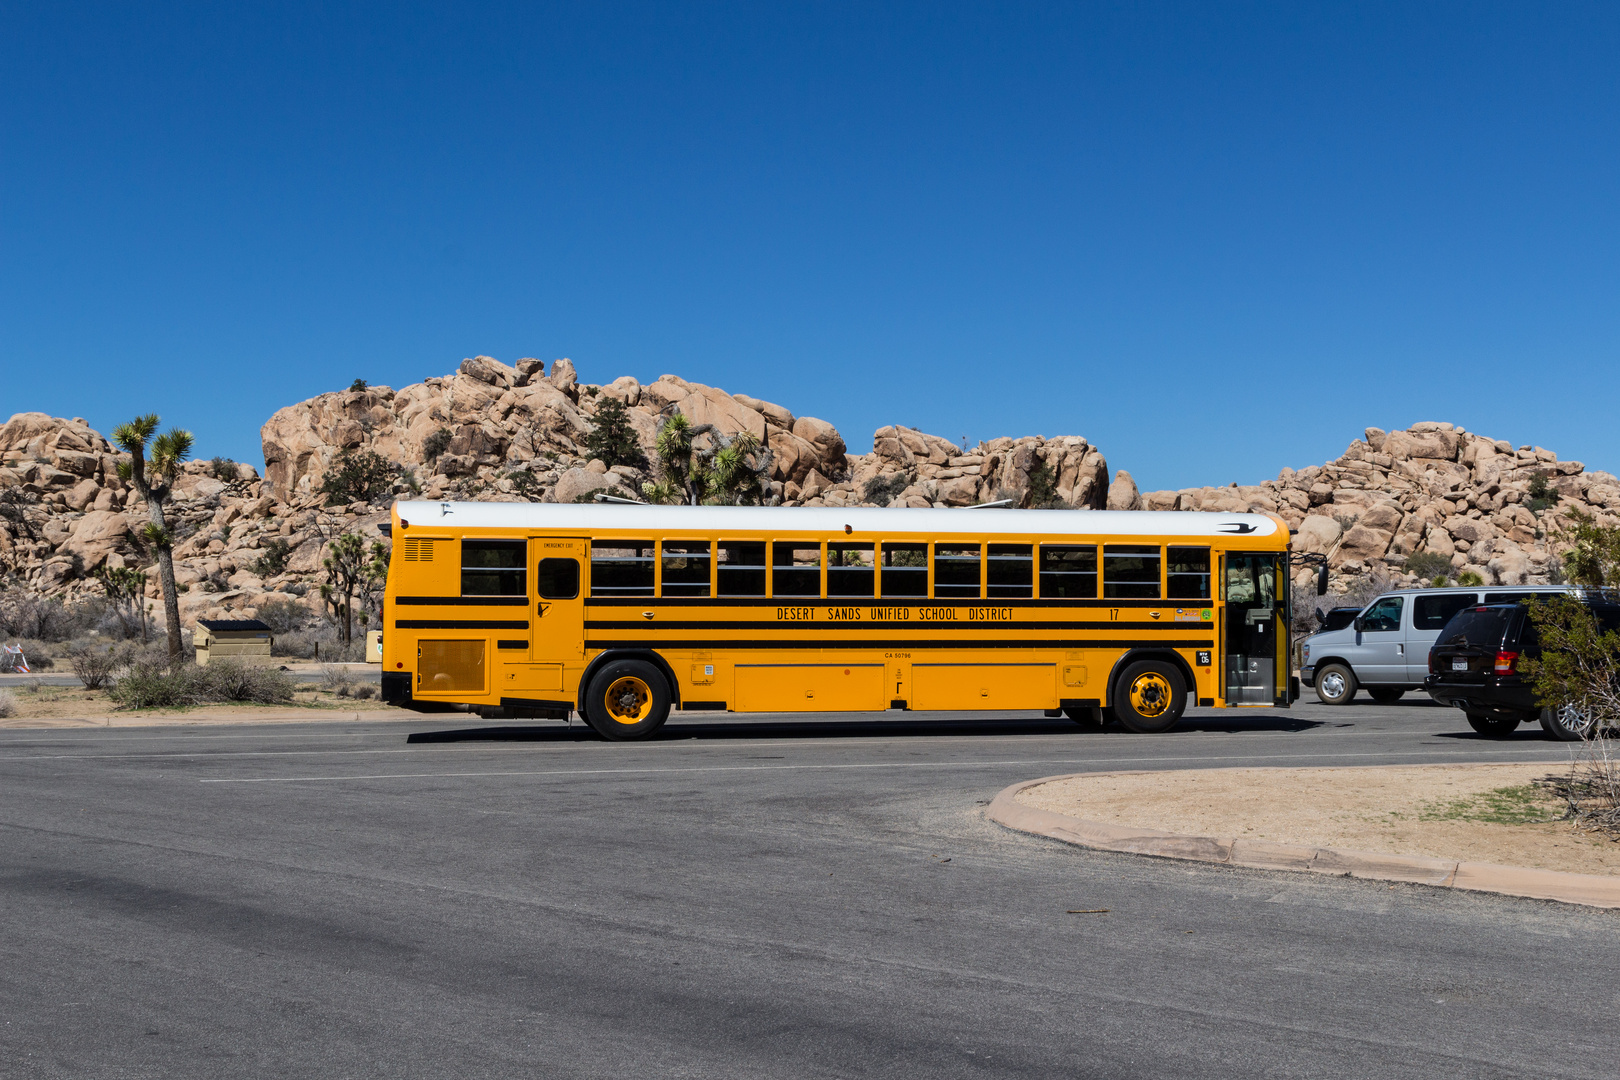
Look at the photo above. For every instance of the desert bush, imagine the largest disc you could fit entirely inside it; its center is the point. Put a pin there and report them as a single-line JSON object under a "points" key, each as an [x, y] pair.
{"points": [[1043, 488], [1427, 564], [222, 468], [881, 490], [283, 614], [358, 385], [358, 477], [272, 559], [365, 691], [318, 643], [612, 439], [28, 615], [149, 686], [8, 704], [434, 446], [94, 664], [338, 680]]}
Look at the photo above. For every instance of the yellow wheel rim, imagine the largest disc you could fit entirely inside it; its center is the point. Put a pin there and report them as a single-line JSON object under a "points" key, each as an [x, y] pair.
{"points": [[1150, 694], [628, 701]]}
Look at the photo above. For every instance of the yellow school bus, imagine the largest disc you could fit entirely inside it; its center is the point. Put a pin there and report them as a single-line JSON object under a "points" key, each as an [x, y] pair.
{"points": [[624, 612]]}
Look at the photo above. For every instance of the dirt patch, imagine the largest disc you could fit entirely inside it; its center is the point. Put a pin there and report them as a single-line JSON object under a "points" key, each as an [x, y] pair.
{"points": [[73, 707], [1475, 813]]}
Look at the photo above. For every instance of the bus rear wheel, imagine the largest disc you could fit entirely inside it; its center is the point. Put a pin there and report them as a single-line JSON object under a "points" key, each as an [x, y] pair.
{"points": [[627, 699], [1149, 697]]}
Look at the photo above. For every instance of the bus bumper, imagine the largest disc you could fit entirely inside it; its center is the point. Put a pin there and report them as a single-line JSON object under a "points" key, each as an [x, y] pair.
{"points": [[396, 687]]}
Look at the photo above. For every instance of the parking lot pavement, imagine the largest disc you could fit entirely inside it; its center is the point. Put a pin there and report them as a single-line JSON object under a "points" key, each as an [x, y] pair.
{"points": [[765, 896]]}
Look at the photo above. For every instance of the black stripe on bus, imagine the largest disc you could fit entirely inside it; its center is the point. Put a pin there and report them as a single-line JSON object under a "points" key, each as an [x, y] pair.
{"points": [[462, 601], [461, 624], [886, 601], [888, 624], [874, 643]]}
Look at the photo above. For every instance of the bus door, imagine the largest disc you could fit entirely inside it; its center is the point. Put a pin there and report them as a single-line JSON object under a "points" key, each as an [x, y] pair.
{"points": [[1250, 628], [557, 626]]}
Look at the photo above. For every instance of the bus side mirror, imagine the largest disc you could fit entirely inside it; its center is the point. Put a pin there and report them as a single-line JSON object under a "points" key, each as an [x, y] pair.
{"points": [[1321, 580]]}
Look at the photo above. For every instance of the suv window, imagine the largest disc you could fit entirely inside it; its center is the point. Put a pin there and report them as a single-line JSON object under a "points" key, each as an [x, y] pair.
{"points": [[1433, 612], [1477, 628], [1384, 615]]}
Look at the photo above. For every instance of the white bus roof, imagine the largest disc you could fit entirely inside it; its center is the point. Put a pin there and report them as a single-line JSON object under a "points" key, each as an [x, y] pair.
{"points": [[865, 521]]}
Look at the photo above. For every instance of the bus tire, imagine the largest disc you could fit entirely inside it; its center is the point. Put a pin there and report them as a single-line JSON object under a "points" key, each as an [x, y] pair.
{"points": [[1335, 684], [627, 699], [1149, 697], [1084, 714]]}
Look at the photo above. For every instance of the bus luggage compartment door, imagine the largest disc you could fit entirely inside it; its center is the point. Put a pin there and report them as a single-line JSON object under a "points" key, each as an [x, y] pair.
{"points": [[1249, 629], [810, 688]]}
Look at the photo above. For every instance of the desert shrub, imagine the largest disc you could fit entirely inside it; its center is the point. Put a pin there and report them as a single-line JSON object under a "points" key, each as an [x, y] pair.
{"points": [[1427, 564], [434, 446], [8, 704], [358, 477], [358, 385], [272, 559], [149, 686], [612, 439], [365, 691], [523, 482], [222, 468], [319, 643], [25, 614], [1043, 488], [282, 614], [95, 665], [881, 490], [338, 679]]}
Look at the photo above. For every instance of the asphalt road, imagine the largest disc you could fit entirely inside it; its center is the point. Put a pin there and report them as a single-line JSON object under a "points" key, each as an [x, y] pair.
{"points": [[759, 898]]}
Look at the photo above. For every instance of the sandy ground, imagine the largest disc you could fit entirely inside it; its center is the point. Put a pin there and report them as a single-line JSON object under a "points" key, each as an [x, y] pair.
{"points": [[1402, 810], [73, 707]]}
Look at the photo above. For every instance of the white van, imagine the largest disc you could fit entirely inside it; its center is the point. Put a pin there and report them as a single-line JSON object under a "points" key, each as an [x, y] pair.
{"points": [[1386, 648]]}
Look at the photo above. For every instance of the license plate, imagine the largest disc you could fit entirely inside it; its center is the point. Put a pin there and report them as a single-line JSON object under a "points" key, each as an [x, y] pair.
{"points": [[1459, 664]]}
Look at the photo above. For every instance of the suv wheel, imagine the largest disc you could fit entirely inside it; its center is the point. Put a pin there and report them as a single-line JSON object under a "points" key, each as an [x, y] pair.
{"points": [[1496, 727], [1567, 723], [1335, 684]]}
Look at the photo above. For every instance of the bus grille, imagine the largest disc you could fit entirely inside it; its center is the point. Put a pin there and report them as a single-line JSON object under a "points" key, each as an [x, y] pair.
{"points": [[418, 549]]}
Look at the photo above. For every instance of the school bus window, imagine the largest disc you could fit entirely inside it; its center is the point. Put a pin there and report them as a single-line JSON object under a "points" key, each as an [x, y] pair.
{"points": [[1131, 571], [956, 570], [621, 568], [1010, 570], [742, 568], [686, 568], [1069, 571], [796, 569], [557, 579], [905, 570], [1188, 577], [850, 571], [494, 568]]}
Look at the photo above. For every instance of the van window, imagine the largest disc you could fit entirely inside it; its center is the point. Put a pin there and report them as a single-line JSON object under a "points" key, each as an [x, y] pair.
{"points": [[1385, 614], [1477, 628], [494, 568], [1433, 612]]}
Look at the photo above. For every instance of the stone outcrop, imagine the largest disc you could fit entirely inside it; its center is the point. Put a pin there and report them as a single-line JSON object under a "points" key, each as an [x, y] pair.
{"points": [[1466, 499]]}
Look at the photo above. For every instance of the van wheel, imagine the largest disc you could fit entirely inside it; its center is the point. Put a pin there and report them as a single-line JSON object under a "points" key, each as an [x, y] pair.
{"points": [[1384, 695], [1496, 727], [1567, 723], [1335, 684], [627, 699], [1149, 697]]}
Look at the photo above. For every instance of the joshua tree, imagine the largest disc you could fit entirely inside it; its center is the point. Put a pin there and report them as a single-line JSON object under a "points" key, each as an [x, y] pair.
{"points": [[727, 470], [352, 571], [154, 482]]}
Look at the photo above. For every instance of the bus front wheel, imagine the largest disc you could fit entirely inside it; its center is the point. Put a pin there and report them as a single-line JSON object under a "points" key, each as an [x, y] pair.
{"points": [[1149, 697], [627, 699]]}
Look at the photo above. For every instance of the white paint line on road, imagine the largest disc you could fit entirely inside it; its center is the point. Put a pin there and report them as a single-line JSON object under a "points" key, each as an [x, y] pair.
{"points": [[643, 770]]}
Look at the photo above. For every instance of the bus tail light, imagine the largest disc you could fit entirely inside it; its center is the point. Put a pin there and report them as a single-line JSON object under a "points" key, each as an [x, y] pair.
{"points": [[1506, 663]]}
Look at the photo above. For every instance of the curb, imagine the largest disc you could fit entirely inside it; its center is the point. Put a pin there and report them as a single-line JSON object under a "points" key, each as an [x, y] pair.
{"points": [[1592, 890]]}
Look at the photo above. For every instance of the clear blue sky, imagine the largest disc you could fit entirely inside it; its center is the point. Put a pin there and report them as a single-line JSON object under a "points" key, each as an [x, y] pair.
{"points": [[1214, 238]]}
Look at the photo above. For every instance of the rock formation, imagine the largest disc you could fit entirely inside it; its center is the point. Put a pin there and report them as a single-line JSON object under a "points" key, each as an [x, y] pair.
{"points": [[1467, 499]]}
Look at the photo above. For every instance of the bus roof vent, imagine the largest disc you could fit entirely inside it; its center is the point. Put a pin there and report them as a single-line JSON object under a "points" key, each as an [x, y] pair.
{"points": [[418, 549]]}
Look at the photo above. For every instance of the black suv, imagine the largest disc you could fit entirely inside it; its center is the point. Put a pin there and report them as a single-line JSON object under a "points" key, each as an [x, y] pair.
{"points": [[1474, 666]]}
